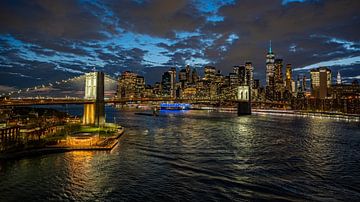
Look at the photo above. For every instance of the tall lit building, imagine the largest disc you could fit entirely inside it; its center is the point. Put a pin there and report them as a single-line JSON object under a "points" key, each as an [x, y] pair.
{"points": [[194, 76], [233, 80], [256, 84], [148, 91], [188, 76], [278, 77], [298, 84], [127, 85], [270, 81], [270, 59], [338, 78], [182, 77], [140, 86], [293, 87], [279, 88], [242, 76], [288, 77], [209, 72], [236, 69], [255, 89], [304, 83], [320, 82], [219, 78], [166, 84], [172, 73], [249, 74], [157, 89]]}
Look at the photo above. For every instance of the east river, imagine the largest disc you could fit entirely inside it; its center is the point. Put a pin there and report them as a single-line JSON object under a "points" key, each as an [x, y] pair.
{"points": [[199, 156]]}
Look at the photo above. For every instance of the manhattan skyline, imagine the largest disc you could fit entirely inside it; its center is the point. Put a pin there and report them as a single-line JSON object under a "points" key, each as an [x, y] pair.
{"points": [[43, 41]]}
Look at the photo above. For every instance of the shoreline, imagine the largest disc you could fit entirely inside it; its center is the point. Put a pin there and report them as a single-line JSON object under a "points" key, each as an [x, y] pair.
{"points": [[329, 115], [298, 113]]}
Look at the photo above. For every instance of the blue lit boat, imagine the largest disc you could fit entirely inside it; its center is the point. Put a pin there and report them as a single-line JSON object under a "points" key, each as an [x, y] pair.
{"points": [[175, 106]]}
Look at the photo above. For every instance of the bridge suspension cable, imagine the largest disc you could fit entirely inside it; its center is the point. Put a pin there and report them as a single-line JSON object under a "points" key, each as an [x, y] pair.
{"points": [[110, 78], [43, 86], [51, 84]]}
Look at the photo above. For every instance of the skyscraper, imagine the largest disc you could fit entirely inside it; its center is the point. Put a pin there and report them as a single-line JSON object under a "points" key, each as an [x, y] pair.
{"points": [[188, 76], [194, 76], [182, 77], [278, 80], [172, 73], [242, 76], [240, 73], [127, 85], [338, 78], [270, 59], [233, 80], [210, 72], [256, 84], [304, 83], [278, 77], [270, 81], [320, 82], [249, 74], [288, 77], [166, 84], [293, 87], [236, 69], [140, 86], [298, 85]]}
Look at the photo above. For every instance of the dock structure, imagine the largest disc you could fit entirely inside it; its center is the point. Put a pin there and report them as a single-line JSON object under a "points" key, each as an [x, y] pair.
{"points": [[9, 134]]}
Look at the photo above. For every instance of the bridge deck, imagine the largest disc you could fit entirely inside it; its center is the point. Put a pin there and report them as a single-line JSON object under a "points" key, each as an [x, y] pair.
{"points": [[24, 102]]}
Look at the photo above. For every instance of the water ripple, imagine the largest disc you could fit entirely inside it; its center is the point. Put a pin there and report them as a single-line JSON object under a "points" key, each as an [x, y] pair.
{"points": [[200, 156]]}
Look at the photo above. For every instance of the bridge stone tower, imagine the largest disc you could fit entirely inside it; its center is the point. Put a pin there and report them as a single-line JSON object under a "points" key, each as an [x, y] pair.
{"points": [[244, 100], [94, 114]]}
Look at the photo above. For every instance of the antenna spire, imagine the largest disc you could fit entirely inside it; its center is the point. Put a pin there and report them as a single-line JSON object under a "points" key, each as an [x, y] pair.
{"points": [[270, 48]]}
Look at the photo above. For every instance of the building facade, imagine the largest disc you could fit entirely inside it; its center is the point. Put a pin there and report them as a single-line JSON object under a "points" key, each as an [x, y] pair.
{"points": [[320, 82]]}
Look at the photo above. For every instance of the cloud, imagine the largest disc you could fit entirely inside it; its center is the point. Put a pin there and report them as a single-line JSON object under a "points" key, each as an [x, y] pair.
{"points": [[50, 40], [347, 45], [353, 77], [50, 19], [336, 62], [158, 18], [6, 89]]}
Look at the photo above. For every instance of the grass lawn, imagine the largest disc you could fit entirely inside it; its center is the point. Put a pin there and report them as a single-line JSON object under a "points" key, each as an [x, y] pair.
{"points": [[103, 131]]}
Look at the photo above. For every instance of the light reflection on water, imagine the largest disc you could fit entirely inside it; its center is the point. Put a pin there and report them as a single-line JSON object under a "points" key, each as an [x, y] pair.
{"points": [[200, 155]]}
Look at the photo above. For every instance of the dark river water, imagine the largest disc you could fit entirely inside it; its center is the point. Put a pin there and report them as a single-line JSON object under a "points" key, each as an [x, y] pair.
{"points": [[199, 156]]}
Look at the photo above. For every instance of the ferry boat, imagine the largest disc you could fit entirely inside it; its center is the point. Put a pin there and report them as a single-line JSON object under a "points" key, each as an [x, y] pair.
{"points": [[175, 106]]}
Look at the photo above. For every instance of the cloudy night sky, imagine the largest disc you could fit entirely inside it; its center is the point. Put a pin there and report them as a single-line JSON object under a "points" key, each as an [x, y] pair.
{"points": [[43, 41]]}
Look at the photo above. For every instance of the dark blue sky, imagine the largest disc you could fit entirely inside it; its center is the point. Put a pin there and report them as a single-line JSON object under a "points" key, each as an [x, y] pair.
{"points": [[43, 41]]}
